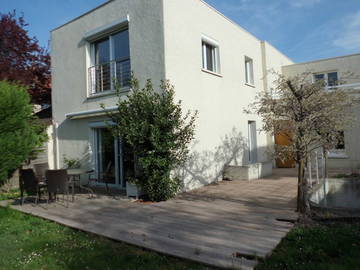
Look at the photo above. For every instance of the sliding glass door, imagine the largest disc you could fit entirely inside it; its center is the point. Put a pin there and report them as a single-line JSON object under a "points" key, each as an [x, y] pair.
{"points": [[106, 162], [114, 160]]}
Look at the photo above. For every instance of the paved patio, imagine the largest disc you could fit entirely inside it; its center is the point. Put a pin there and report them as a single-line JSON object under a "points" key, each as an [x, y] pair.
{"points": [[224, 225]]}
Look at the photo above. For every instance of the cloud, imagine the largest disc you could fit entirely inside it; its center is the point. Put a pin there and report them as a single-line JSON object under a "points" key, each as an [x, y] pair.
{"points": [[303, 3], [349, 36]]}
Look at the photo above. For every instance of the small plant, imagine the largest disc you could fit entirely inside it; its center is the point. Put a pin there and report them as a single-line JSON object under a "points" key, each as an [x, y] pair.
{"points": [[72, 163]]}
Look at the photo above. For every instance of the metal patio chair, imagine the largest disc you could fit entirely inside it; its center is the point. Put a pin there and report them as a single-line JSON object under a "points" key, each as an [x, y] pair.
{"points": [[104, 177]]}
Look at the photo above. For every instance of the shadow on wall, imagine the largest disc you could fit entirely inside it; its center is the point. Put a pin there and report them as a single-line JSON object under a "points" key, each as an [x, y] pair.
{"points": [[205, 167]]}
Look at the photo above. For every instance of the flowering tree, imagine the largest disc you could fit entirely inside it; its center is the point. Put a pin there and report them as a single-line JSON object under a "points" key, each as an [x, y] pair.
{"points": [[311, 116], [22, 60]]}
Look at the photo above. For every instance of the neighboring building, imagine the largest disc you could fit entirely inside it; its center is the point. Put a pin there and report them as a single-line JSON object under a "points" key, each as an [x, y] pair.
{"points": [[339, 72], [216, 66], [46, 154]]}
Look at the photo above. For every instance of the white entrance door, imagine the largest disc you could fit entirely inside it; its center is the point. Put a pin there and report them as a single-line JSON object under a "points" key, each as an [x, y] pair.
{"points": [[252, 142]]}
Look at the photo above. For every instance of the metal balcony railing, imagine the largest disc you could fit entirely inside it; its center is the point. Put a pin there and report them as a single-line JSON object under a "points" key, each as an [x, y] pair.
{"points": [[106, 76]]}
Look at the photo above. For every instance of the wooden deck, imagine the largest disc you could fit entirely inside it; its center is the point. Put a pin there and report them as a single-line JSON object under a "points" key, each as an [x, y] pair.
{"points": [[215, 225]]}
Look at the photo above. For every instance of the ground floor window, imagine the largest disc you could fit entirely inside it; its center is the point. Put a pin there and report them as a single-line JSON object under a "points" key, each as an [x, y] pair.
{"points": [[252, 138]]}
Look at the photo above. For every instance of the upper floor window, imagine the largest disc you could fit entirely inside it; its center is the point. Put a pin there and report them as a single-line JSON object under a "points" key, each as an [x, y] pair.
{"points": [[210, 57], [110, 57], [249, 71], [330, 78]]}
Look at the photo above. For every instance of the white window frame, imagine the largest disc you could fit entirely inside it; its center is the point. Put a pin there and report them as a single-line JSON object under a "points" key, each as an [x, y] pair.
{"points": [[110, 36], [249, 71], [216, 55], [325, 73]]}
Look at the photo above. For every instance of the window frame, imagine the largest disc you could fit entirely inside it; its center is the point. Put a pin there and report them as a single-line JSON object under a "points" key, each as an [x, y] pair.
{"points": [[326, 78], [92, 60], [249, 71], [205, 41]]}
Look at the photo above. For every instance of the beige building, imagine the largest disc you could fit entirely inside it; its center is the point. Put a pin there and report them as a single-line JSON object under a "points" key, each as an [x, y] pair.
{"points": [[339, 72], [216, 66]]}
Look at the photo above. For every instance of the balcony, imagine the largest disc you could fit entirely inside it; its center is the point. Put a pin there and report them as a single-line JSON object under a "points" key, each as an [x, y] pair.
{"points": [[106, 77], [351, 86]]}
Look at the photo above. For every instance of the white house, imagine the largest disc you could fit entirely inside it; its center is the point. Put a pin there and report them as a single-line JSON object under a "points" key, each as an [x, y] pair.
{"points": [[338, 72], [217, 68]]}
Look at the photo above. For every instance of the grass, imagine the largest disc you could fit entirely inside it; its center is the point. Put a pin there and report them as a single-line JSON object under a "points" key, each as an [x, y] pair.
{"points": [[27, 242], [322, 247], [12, 194]]}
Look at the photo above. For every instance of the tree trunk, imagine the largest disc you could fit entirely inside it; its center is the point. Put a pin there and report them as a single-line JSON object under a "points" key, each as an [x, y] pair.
{"points": [[302, 198]]}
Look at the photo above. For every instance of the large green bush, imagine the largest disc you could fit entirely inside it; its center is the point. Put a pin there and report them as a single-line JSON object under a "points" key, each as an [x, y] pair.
{"points": [[20, 133], [154, 125]]}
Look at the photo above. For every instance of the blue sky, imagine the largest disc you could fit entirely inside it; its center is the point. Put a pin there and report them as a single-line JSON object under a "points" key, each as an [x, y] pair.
{"points": [[302, 29]]}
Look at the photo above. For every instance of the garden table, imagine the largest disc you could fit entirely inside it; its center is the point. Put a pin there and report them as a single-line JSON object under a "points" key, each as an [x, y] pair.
{"points": [[75, 178]]}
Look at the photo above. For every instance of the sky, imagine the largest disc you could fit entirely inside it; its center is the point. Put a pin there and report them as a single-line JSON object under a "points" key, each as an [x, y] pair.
{"points": [[304, 30]]}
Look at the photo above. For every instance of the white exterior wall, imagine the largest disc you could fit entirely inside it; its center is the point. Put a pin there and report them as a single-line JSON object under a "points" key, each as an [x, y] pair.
{"points": [[70, 62], [222, 126], [165, 42], [343, 65], [273, 61]]}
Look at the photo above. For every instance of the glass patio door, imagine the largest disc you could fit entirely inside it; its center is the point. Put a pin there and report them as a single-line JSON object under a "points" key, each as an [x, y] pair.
{"points": [[106, 162], [113, 159]]}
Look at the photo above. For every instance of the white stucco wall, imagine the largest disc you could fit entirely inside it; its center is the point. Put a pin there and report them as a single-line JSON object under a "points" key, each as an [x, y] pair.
{"points": [[222, 126], [165, 42], [273, 61], [343, 65], [70, 64]]}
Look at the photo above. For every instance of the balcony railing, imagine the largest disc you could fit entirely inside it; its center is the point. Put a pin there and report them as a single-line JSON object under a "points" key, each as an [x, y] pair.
{"points": [[351, 86], [106, 76]]}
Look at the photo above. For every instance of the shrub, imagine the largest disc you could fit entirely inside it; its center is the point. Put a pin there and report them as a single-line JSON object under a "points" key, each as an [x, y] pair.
{"points": [[72, 163], [153, 124], [21, 134]]}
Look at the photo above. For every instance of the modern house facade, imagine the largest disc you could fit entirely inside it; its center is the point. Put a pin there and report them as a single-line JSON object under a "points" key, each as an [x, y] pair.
{"points": [[216, 67], [338, 72]]}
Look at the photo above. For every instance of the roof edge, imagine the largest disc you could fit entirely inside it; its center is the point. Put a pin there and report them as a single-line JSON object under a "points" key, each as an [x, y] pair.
{"points": [[324, 59], [82, 15]]}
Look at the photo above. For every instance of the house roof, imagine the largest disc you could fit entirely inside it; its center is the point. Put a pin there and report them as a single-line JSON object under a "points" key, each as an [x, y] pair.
{"points": [[82, 15], [324, 59]]}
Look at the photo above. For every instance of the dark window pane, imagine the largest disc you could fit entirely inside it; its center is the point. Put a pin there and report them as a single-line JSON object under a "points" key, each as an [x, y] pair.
{"points": [[106, 156], [102, 51], [210, 57], [121, 45], [332, 79], [319, 77], [341, 142]]}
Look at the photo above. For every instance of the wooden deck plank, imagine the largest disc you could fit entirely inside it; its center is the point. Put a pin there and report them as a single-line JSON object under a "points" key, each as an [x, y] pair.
{"points": [[207, 225]]}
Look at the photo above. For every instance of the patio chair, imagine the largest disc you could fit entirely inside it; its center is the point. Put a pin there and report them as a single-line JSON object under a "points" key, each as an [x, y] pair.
{"points": [[40, 170], [104, 177], [58, 183], [30, 184]]}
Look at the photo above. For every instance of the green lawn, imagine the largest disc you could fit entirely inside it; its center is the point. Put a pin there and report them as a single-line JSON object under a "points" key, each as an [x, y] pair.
{"points": [[322, 247], [12, 194], [28, 242]]}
